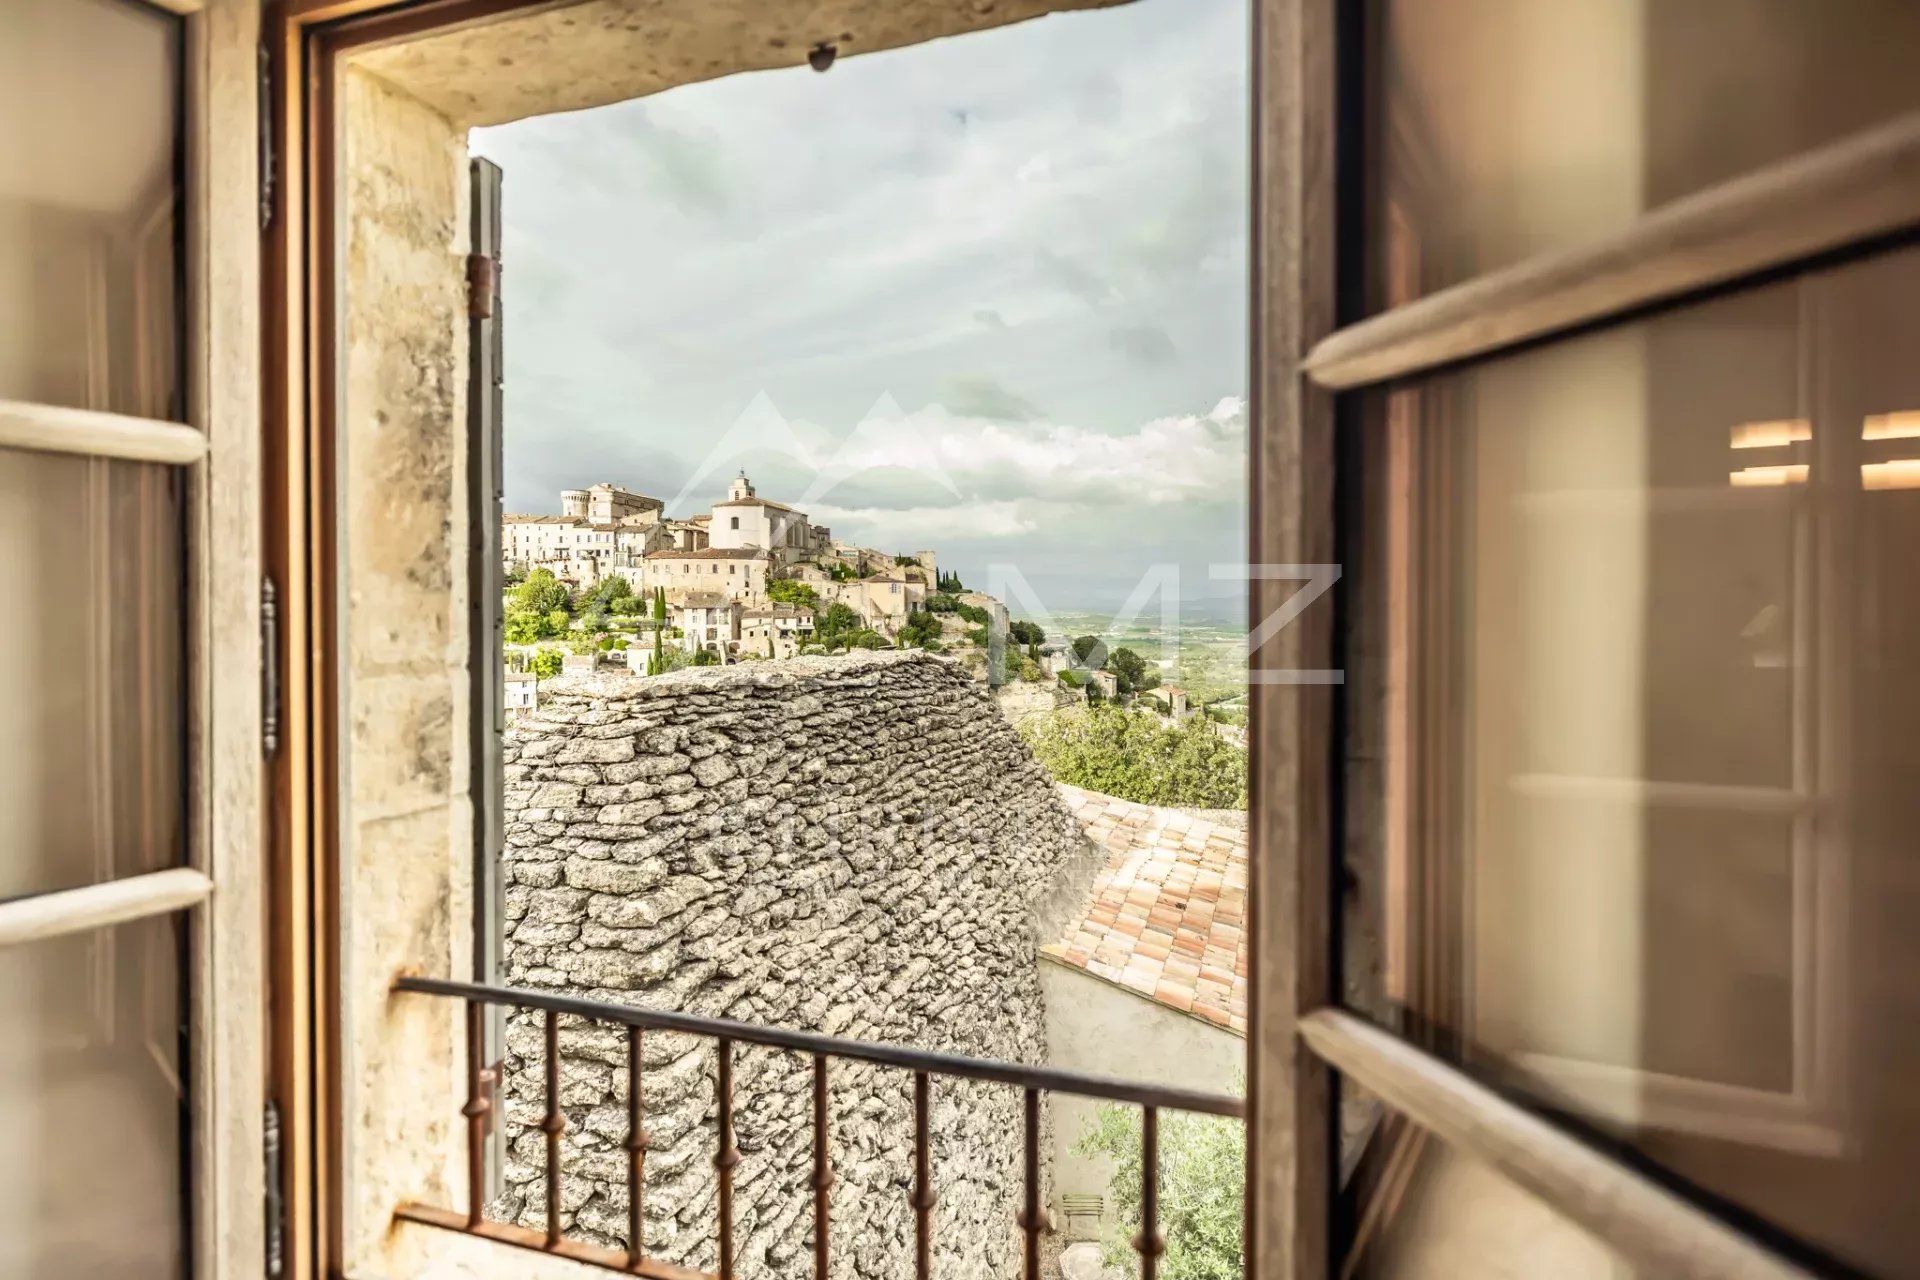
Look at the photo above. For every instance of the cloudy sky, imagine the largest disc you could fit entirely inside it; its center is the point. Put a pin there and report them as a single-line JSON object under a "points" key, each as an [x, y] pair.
{"points": [[985, 295]]}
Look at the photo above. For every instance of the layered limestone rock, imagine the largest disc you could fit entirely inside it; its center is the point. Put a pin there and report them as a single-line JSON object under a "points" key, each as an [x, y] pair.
{"points": [[857, 846]]}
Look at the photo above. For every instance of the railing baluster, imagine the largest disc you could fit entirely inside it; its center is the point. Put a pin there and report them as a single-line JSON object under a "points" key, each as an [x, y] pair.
{"points": [[476, 1113], [1150, 1243], [822, 1166], [923, 1197], [636, 1153], [554, 1123], [727, 1156], [1030, 1214]]}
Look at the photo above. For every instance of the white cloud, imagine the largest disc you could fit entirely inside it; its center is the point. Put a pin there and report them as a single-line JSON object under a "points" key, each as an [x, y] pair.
{"points": [[914, 528], [1167, 460]]}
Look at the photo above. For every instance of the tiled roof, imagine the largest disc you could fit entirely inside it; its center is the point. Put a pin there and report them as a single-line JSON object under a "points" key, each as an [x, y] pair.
{"points": [[1168, 913], [714, 553]]}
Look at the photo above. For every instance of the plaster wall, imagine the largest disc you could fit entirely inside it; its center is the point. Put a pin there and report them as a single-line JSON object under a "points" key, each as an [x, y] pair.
{"points": [[1103, 1029], [405, 819]]}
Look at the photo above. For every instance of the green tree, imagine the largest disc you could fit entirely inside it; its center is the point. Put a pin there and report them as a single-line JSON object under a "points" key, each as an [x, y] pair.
{"points": [[1131, 670], [790, 591], [865, 638], [1089, 652], [1027, 633], [515, 576], [1202, 1189], [1137, 756], [705, 658], [547, 663], [615, 595], [542, 593], [558, 622], [940, 602], [836, 620], [659, 604]]}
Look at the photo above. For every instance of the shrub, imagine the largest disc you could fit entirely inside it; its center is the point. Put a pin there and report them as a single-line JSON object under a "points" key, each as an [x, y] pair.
{"points": [[1072, 679], [1027, 633], [547, 663], [619, 644], [1030, 670], [1136, 756], [919, 631], [972, 613], [705, 658], [865, 638], [1202, 1189], [940, 602], [525, 628]]}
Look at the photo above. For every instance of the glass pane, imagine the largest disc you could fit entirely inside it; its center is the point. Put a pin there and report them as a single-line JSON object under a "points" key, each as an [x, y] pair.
{"points": [[1634, 617], [92, 1106], [91, 736], [1600, 110], [1422, 1209], [89, 192]]}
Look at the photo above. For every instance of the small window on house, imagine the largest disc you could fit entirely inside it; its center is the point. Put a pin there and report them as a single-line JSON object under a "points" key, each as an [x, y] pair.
{"points": [[734, 521]]}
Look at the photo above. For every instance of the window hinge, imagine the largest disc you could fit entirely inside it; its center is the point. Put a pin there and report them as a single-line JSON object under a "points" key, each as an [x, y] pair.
{"points": [[269, 668], [276, 1210], [268, 161], [482, 279]]}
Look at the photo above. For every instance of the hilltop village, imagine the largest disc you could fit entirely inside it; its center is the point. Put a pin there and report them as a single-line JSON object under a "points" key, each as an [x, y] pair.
{"points": [[613, 584], [751, 579]]}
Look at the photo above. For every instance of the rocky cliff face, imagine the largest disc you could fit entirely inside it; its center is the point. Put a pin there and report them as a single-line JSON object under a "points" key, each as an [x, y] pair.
{"points": [[851, 845]]}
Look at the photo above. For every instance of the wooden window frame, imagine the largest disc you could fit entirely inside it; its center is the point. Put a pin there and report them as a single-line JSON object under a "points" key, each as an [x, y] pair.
{"points": [[220, 886], [1843, 195], [1856, 189]]}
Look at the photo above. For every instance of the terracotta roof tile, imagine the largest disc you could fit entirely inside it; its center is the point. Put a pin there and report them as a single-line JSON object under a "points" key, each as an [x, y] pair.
{"points": [[1166, 913]]}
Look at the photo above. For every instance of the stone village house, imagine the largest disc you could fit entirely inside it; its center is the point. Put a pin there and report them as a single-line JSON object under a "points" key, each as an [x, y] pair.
{"points": [[246, 363]]}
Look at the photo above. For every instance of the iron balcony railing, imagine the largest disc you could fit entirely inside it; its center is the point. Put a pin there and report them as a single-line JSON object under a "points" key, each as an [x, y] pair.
{"points": [[924, 1065]]}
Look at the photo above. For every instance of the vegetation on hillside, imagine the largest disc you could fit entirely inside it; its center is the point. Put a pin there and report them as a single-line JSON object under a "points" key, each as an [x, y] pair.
{"points": [[1202, 1190], [791, 591], [1135, 755], [921, 631]]}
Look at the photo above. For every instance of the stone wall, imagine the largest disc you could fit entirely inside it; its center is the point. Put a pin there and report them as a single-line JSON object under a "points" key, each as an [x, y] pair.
{"points": [[854, 845]]}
